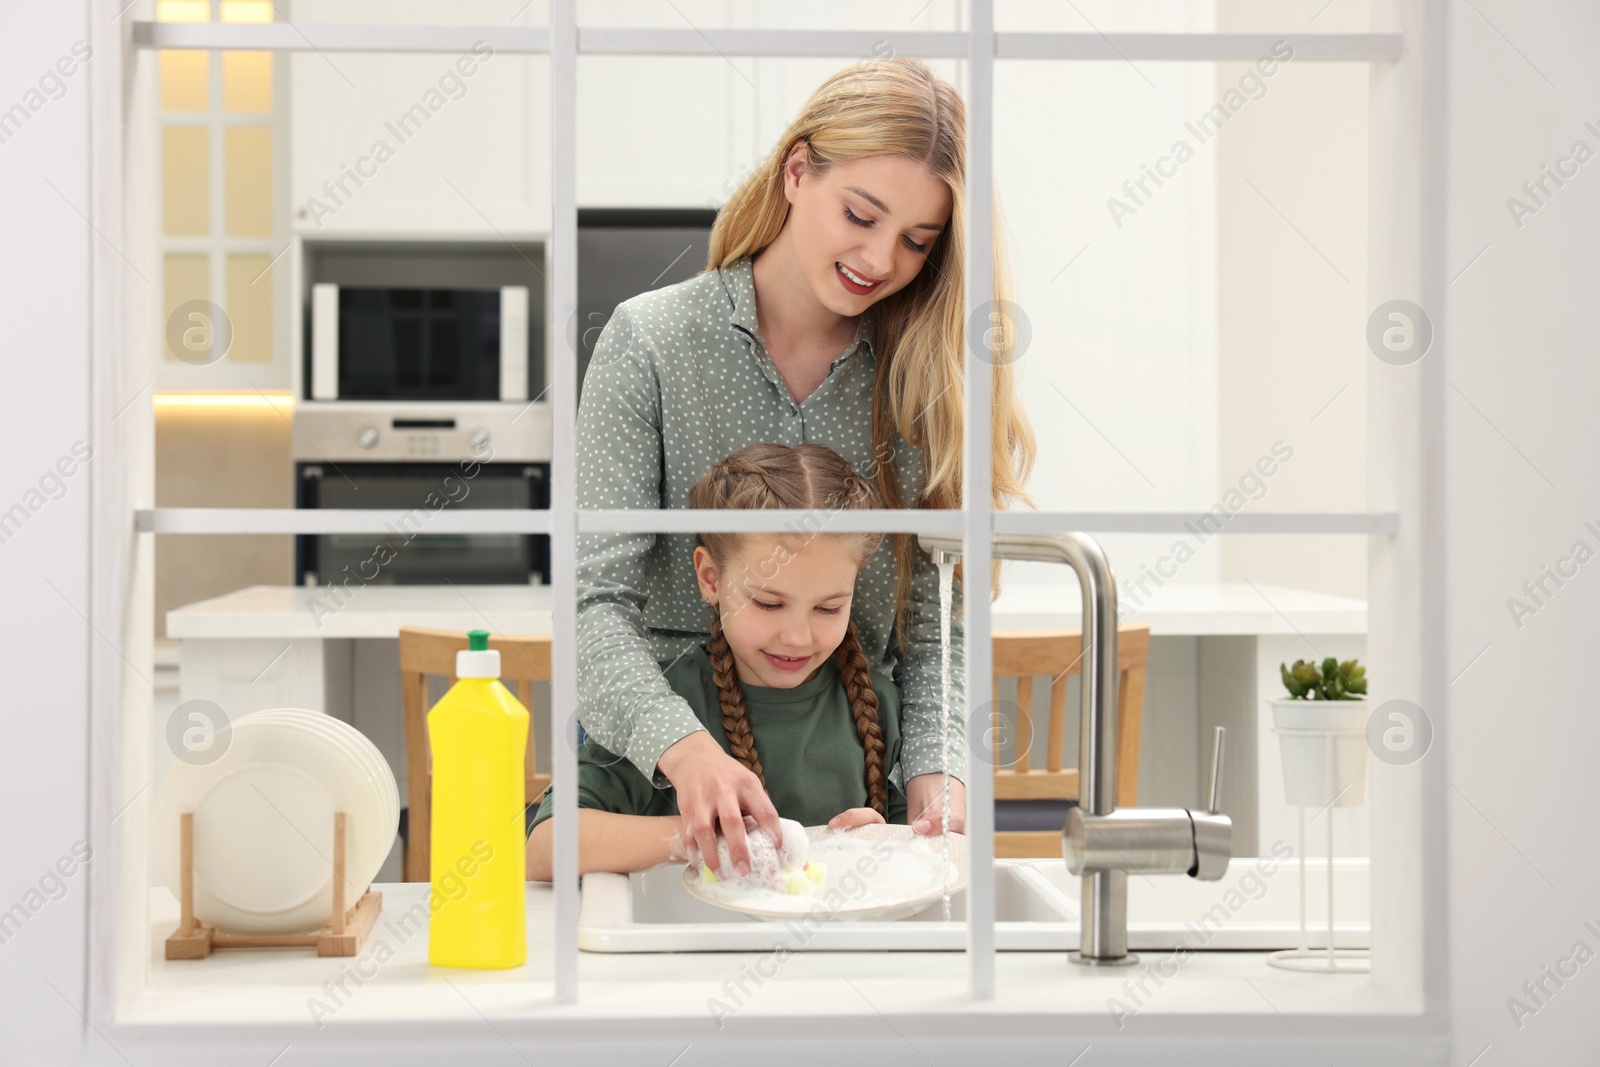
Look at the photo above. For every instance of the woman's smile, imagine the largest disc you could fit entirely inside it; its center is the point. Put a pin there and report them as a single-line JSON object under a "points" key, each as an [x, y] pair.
{"points": [[854, 282]]}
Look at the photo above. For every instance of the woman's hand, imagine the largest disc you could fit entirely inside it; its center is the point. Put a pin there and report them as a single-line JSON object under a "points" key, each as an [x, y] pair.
{"points": [[925, 804], [850, 818], [714, 789]]}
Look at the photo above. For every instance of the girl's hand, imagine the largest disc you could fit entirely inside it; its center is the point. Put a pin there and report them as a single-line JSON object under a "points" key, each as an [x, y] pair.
{"points": [[925, 803], [685, 846], [714, 789], [853, 817]]}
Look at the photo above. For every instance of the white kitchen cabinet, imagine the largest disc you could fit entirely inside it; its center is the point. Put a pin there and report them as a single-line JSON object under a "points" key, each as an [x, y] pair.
{"points": [[653, 131], [431, 142], [661, 131]]}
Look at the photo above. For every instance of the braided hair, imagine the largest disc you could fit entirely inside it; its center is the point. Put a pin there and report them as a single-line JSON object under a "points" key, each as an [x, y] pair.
{"points": [[802, 477]]}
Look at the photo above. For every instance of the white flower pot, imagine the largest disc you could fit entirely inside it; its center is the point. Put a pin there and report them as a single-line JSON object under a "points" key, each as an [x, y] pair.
{"points": [[1339, 725]]}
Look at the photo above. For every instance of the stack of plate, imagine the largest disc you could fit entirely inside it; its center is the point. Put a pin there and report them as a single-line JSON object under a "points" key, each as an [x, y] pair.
{"points": [[263, 821]]}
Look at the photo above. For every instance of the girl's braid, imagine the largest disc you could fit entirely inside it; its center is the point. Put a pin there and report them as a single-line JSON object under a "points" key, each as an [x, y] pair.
{"points": [[734, 721], [856, 674]]}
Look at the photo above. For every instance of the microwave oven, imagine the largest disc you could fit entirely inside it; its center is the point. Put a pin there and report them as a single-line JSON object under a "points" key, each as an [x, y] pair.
{"points": [[418, 344]]}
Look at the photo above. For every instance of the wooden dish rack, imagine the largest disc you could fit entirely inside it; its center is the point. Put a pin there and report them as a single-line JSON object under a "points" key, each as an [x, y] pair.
{"points": [[343, 936]]}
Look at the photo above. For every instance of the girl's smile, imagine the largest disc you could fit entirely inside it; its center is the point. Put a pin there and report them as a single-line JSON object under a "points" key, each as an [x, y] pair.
{"points": [[788, 663]]}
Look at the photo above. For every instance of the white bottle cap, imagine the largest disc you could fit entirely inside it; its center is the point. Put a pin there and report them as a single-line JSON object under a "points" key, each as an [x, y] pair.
{"points": [[478, 660], [485, 664]]}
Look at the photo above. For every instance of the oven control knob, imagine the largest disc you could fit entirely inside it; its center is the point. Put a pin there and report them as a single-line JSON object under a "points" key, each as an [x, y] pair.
{"points": [[367, 437], [479, 440]]}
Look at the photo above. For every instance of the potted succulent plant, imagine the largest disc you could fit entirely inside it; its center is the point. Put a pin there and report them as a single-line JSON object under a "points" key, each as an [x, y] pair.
{"points": [[1322, 724]]}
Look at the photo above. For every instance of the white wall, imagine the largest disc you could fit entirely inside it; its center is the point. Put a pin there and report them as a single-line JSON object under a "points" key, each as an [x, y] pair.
{"points": [[1518, 340], [1120, 380], [1293, 298], [44, 566]]}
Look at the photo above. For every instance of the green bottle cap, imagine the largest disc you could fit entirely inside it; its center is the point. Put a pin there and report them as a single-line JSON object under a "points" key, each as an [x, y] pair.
{"points": [[478, 640]]}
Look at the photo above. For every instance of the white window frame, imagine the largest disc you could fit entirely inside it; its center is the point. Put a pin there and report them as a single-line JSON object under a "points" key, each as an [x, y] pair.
{"points": [[1405, 418]]}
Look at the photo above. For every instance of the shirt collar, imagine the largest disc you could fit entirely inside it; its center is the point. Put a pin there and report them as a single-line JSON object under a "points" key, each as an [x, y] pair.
{"points": [[738, 283]]}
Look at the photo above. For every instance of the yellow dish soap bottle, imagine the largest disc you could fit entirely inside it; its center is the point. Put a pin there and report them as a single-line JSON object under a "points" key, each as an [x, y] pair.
{"points": [[479, 735]]}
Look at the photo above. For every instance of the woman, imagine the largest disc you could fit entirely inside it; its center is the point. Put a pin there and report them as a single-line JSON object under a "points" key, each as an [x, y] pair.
{"points": [[831, 311]]}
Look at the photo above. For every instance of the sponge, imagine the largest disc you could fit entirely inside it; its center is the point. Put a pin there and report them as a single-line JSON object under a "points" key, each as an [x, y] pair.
{"points": [[780, 867]]}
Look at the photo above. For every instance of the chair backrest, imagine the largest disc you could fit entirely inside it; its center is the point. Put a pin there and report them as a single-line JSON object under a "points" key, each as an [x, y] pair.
{"points": [[424, 652], [1057, 655]]}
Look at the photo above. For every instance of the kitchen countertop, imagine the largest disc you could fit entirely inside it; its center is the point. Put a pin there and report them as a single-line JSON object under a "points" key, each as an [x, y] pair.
{"points": [[390, 987], [1177, 609]]}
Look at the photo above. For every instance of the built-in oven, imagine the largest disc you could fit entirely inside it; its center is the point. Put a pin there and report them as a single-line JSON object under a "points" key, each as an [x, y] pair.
{"points": [[421, 459]]}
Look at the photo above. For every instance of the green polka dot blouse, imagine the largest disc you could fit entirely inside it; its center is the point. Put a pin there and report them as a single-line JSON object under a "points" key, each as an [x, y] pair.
{"points": [[680, 378]]}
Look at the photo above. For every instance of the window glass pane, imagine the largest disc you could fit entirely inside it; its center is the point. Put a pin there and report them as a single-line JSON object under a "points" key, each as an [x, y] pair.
{"points": [[247, 81], [1190, 267], [246, 11], [185, 181], [247, 169], [184, 278], [250, 308], [183, 11], [185, 78]]}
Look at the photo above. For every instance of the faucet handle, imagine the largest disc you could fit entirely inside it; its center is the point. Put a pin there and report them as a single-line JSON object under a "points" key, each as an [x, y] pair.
{"points": [[1214, 792], [1213, 831]]}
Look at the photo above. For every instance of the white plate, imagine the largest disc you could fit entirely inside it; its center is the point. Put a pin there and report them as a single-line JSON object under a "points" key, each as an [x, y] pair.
{"points": [[297, 893], [896, 874], [374, 771], [263, 815], [380, 775]]}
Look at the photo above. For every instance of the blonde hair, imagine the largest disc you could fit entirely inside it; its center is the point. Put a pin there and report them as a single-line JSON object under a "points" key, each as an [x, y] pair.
{"points": [[899, 107], [804, 477]]}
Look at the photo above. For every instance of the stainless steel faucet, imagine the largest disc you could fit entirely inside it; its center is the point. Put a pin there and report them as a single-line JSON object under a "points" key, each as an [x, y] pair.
{"points": [[1099, 841]]}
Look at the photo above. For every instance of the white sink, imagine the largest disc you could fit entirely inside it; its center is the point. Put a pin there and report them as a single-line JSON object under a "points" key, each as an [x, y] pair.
{"points": [[1036, 909], [649, 911]]}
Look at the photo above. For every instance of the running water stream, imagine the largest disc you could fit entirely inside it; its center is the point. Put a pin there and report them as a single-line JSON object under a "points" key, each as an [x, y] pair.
{"points": [[947, 576]]}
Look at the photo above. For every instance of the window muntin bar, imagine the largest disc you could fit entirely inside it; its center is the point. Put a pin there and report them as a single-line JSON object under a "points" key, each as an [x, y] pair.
{"points": [[686, 520], [929, 44]]}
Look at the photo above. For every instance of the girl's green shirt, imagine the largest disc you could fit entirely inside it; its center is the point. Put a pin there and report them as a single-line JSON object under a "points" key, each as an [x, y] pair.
{"points": [[812, 757]]}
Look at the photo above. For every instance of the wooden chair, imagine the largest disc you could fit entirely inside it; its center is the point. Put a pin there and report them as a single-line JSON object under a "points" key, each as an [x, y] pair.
{"points": [[1057, 655], [424, 652]]}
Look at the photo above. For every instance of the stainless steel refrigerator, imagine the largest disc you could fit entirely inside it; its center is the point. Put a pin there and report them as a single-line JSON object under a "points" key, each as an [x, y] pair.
{"points": [[626, 251]]}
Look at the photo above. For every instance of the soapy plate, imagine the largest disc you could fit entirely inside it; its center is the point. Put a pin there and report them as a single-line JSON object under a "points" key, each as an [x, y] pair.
{"points": [[878, 872]]}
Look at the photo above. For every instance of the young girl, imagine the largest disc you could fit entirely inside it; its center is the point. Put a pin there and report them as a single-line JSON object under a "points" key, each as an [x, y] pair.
{"points": [[782, 684]]}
